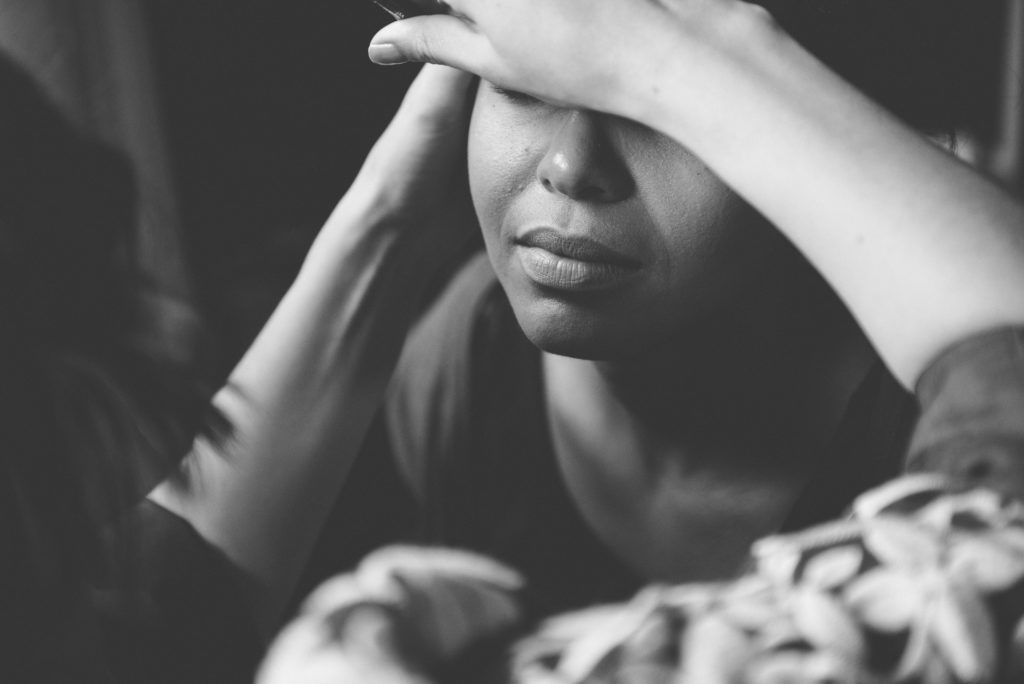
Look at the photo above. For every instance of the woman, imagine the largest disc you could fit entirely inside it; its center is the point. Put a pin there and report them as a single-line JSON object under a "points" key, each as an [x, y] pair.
{"points": [[699, 386], [678, 377], [926, 254]]}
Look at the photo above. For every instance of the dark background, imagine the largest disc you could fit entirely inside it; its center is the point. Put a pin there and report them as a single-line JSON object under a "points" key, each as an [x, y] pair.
{"points": [[270, 107]]}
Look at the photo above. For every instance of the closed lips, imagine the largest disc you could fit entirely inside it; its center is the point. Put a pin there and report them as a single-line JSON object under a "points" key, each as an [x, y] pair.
{"points": [[575, 247], [559, 262]]}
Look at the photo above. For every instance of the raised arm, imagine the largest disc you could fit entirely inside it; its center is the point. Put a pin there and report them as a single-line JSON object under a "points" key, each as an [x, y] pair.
{"points": [[923, 250], [300, 401]]}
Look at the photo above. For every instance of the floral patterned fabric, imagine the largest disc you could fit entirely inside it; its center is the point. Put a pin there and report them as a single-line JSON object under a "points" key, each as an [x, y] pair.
{"points": [[923, 584]]}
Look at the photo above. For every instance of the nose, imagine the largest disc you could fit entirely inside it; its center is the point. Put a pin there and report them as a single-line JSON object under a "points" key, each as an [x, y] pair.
{"points": [[581, 163]]}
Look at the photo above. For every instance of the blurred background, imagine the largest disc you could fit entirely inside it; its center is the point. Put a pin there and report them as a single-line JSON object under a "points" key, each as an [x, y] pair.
{"points": [[246, 120]]}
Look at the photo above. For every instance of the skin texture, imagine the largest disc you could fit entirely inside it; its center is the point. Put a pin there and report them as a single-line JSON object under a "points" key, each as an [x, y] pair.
{"points": [[859, 193], [922, 250], [720, 329], [701, 252], [712, 371]]}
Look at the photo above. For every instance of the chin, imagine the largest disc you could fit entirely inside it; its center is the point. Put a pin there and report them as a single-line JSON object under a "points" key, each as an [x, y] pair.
{"points": [[580, 336]]}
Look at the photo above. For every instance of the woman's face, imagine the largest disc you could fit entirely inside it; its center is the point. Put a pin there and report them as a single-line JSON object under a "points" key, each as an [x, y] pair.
{"points": [[608, 237]]}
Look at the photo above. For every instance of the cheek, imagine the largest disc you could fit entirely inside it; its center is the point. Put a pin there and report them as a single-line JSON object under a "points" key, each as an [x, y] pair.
{"points": [[711, 240], [710, 221], [501, 163], [695, 215], [690, 204]]}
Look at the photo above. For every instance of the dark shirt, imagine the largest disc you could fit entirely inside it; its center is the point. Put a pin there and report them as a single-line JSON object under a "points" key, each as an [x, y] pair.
{"points": [[474, 466], [176, 612], [462, 456]]}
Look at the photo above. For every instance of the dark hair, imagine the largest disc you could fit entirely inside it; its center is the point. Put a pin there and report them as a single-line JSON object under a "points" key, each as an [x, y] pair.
{"points": [[932, 62], [89, 418]]}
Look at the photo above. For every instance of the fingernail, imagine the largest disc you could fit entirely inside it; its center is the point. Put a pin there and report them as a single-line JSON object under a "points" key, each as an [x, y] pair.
{"points": [[385, 54]]}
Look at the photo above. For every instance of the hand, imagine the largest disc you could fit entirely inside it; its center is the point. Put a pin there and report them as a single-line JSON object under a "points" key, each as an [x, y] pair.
{"points": [[360, 649], [414, 177], [402, 611], [580, 53], [304, 395]]}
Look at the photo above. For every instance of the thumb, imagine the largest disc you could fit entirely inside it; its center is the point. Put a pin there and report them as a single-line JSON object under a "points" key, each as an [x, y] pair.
{"points": [[439, 39]]}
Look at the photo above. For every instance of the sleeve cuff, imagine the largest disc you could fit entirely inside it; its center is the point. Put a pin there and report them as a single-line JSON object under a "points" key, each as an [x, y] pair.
{"points": [[972, 413]]}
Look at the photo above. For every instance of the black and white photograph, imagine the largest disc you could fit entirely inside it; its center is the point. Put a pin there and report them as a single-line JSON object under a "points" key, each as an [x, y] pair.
{"points": [[512, 341]]}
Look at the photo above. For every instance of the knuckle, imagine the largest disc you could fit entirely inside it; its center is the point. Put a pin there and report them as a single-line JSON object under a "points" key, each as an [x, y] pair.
{"points": [[426, 47]]}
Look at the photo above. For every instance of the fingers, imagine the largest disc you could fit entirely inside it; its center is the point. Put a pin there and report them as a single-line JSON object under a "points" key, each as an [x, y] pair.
{"points": [[427, 132], [450, 598], [439, 92], [311, 651], [436, 102], [439, 600], [438, 39], [345, 591], [448, 562]]}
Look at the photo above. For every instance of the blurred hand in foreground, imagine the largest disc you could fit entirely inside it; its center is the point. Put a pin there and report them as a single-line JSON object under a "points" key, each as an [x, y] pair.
{"points": [[404, 611]]}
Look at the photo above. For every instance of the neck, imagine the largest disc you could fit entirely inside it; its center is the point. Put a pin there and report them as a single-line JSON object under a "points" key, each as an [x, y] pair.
{"points": [[761, 377]]}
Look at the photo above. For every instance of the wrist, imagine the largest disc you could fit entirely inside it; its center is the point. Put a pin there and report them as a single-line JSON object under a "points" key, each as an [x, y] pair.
{"points": [[361, 235]]}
